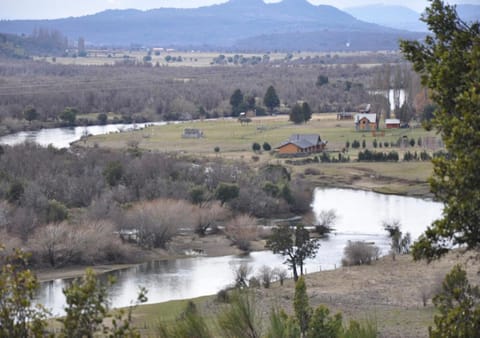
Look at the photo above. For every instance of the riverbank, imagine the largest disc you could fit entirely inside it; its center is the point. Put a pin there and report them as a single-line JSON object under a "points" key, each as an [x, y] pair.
{"points": [[181, 246], [390, 293]]}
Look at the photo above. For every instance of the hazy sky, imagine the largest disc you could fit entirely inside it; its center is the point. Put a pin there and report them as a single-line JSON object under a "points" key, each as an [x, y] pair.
{"points": [[50, 9]]}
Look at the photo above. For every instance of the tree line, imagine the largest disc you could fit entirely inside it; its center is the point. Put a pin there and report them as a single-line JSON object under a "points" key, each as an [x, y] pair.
{"points": [[145, 93], [62, 199]]}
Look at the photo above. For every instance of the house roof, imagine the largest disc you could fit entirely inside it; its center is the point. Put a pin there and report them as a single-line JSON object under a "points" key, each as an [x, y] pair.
{"points": [[392, 121], [372, 118], [303, 140]]}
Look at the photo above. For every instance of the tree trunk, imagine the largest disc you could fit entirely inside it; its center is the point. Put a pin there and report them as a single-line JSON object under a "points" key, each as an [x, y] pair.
{"points": [[295, 273]]}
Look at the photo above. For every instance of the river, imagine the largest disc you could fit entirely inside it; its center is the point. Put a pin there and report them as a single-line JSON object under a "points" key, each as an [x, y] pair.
{"points": [[361, 215], [63, 137]]}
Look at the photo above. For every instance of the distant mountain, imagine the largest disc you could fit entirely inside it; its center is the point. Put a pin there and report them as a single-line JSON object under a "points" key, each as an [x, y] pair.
{"points": [[469, 13], [390, 16], [404, 18], [228, 25]]}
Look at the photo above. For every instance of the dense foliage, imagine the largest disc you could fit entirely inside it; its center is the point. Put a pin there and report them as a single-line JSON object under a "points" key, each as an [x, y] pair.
{"points": [[138, 93], [449, 64], [65, 204]]}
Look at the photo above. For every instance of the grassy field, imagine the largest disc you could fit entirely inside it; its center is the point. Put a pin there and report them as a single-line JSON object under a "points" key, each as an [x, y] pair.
{"points": [[189, 58], [235, 143], [234, 138]]}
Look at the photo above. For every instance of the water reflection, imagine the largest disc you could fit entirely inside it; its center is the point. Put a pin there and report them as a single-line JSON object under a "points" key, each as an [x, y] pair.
{"points": [[62, 137], [361, 214]]}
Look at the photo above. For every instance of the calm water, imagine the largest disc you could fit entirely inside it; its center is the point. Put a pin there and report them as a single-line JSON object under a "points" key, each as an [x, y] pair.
{"points": [[360, 218], [62, 137]]}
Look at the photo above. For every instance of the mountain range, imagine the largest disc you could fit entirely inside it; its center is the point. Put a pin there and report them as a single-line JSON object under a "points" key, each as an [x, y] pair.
{"points": [[404, 18], [246, 25]]}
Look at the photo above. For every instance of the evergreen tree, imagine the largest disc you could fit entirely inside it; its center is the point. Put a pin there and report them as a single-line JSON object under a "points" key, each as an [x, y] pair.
{"points": [[307, 112], [449, 65], [271, 99], [296, 114]]}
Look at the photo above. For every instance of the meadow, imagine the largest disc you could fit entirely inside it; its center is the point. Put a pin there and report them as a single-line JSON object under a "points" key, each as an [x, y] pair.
{"points": [[234, 141]]}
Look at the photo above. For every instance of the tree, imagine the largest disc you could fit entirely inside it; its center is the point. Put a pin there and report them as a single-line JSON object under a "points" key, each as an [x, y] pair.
{"points": [[15, 192], [113, 173], [271, 99], [296, 114], [303, 311], [294, 243], [307, 112], [321, 80], [226, 192], [236, 101], [236, 98], [102, 118], [18, 286], [30, 114], [87, 307], [449, 65], [399, 244], [458, 304], [266, 146], [326, 219], [69, 115], [242, 318], [256, 147]]}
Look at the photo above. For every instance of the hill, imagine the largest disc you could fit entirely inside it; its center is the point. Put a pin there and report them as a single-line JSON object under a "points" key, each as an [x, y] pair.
{"points": [[404, 18], [227, 25]]}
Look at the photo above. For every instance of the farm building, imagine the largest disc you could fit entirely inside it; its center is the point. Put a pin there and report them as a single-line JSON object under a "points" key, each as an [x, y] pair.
{"points": [[345, 116], [192, 133], [366, 122], [302, 143], [392, 123]]}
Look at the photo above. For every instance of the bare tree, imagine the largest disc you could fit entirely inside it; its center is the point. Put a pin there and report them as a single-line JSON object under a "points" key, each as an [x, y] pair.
{"points": [[242, 230]]}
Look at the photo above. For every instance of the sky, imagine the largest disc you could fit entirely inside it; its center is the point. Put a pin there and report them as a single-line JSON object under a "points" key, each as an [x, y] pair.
{"points": [[51, 9]]}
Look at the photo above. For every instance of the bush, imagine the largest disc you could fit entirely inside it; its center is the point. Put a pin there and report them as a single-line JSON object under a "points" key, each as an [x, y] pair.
{"points": [[241, 231], [222, 296], [156, 222], [359, 253], [265, 275], [241, 273], [311, 171], [280, 275]]}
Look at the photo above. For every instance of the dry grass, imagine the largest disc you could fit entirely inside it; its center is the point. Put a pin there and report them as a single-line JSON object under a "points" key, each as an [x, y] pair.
{"points": [[387, 292]]}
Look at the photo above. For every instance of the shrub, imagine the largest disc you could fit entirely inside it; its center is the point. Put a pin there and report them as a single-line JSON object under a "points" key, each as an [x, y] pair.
{"points": [[265, 276], [56, 212], [253, 282], [241, 230], [326, 219], [222, 296], [311, 171], [280, 274], [156, 222], [358, 253], [208, 217]]}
